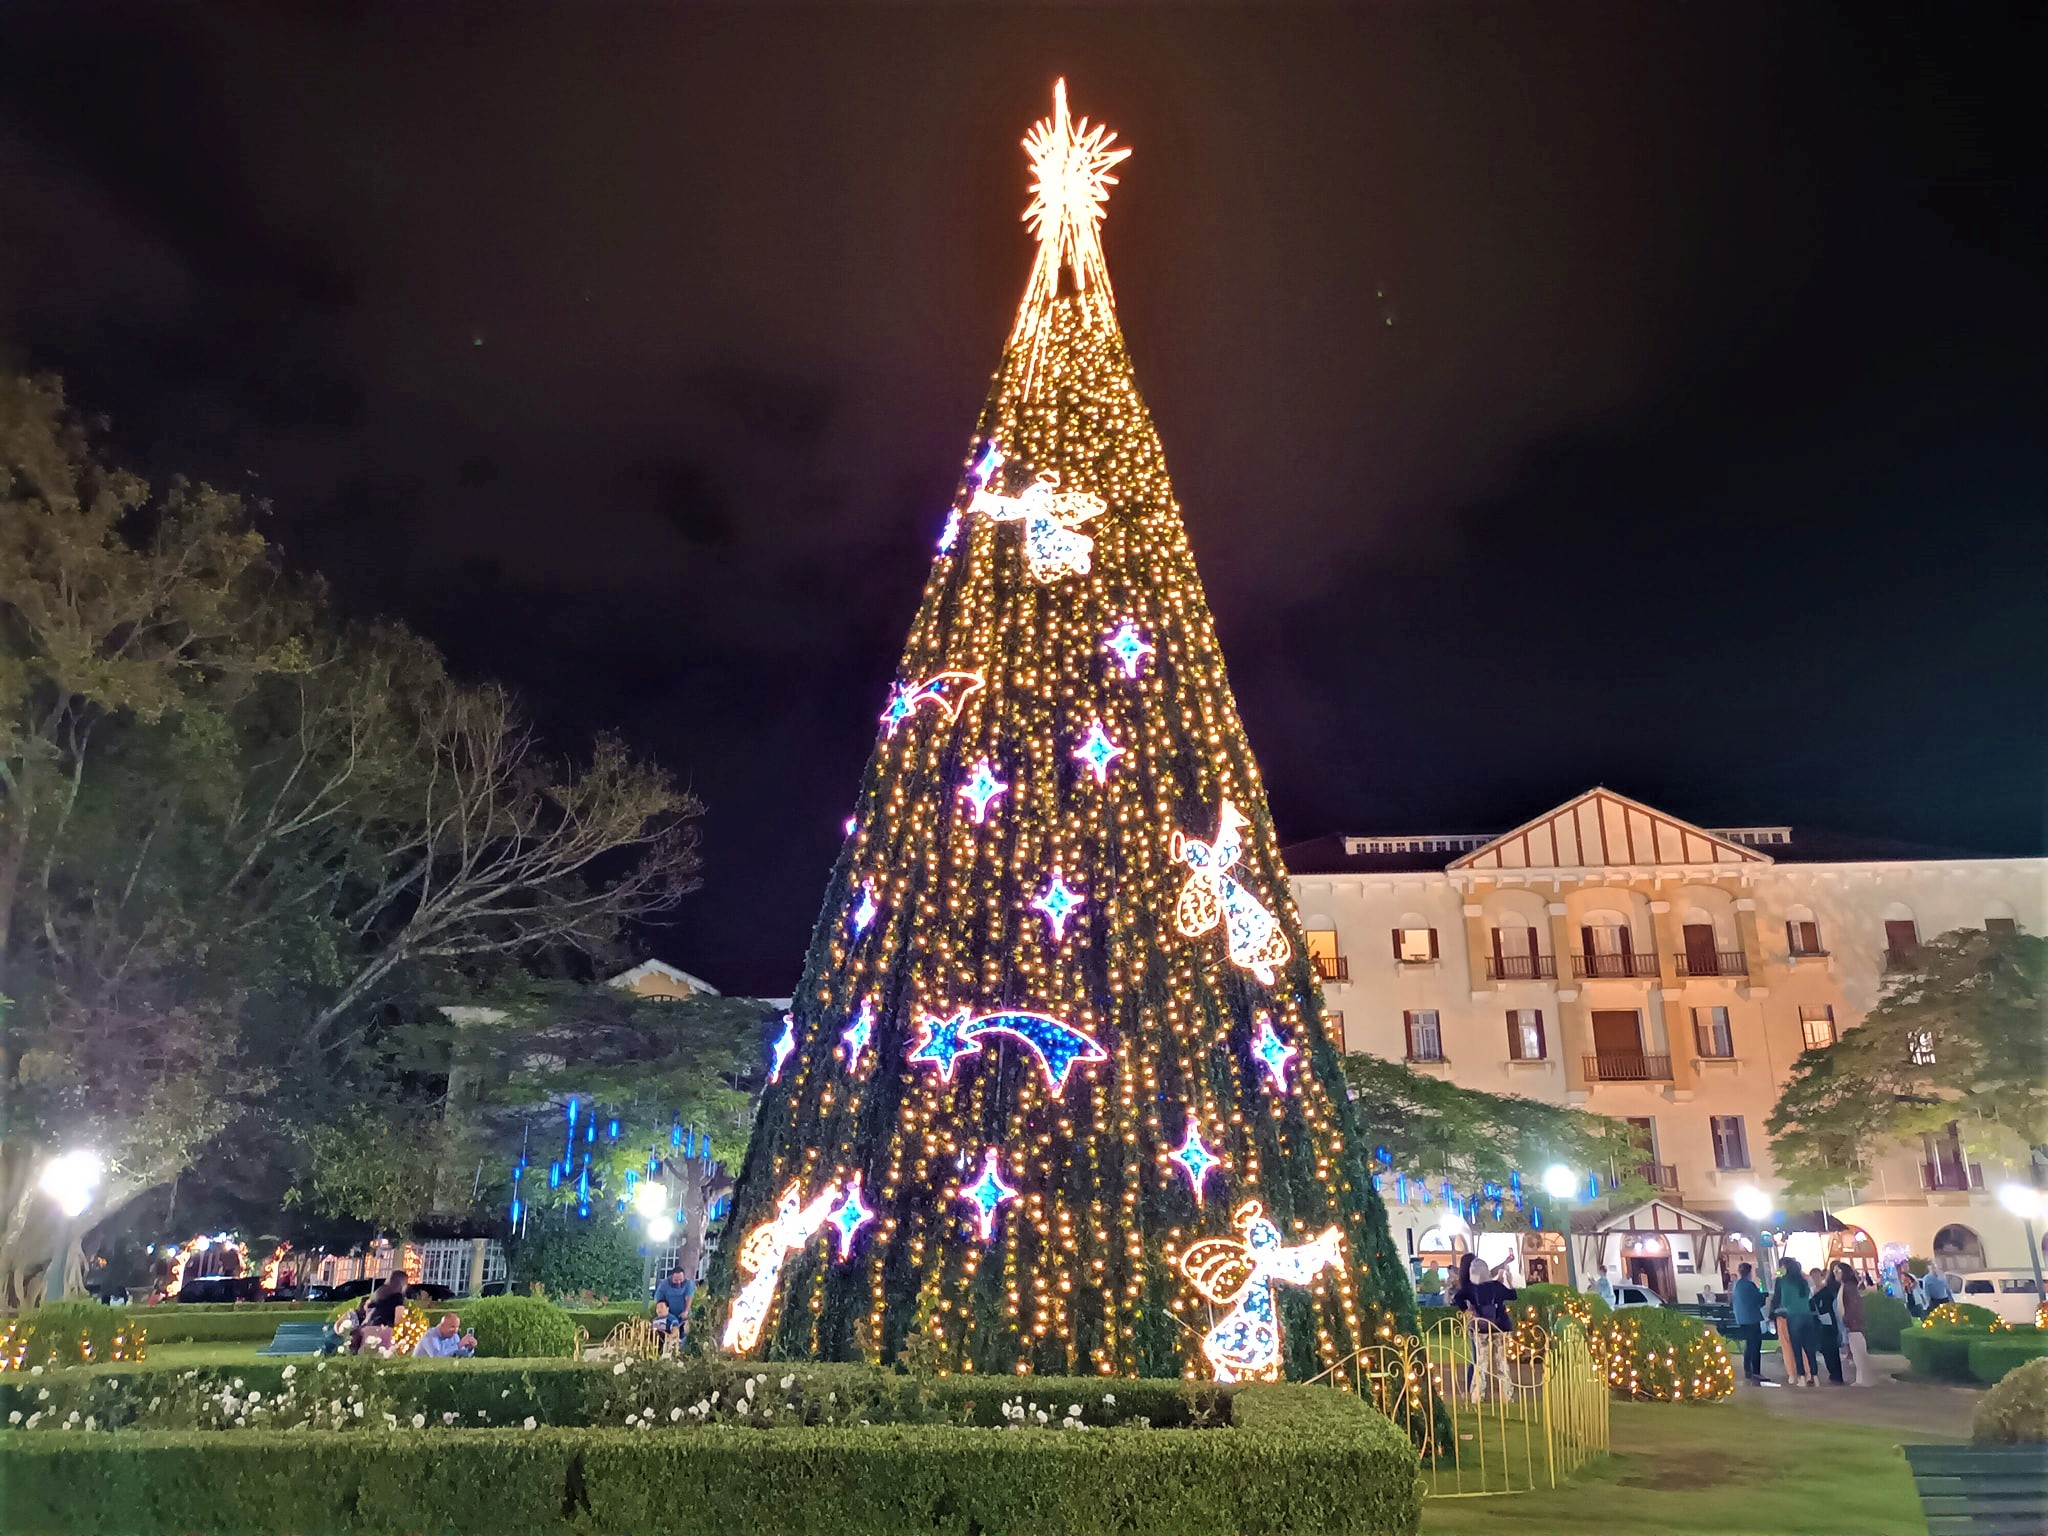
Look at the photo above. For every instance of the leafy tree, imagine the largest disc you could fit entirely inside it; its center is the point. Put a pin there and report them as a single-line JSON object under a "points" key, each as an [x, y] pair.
{"points": [[1435, 1129], [1958, 1037], [240, 839]]}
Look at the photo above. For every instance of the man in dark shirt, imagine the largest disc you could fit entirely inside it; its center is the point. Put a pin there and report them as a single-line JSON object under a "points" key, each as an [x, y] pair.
{"points": [[676, 1290]]}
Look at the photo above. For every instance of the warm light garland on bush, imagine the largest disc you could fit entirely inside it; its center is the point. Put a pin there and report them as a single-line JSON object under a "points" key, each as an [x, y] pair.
{"points": [[1068, 1080]]}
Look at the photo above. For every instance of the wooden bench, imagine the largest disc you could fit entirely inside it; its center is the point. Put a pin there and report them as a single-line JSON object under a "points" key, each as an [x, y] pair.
{"points": [[1981, 1490], [301, 1339]]}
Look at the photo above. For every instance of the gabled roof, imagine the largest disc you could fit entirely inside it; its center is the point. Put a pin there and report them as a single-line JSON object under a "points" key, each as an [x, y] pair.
{"points": [[662, 968], [1654, 1215], [1601, 829]]}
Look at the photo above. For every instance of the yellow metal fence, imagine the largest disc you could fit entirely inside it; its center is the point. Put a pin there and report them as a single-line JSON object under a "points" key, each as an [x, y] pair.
{"points": [[1491, 1414]]}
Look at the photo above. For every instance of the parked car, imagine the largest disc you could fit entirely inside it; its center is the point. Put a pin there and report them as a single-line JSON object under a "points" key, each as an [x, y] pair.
{"points": [[2011, 1293], [218, 1288], [356, 1290], [1628, 1294]]}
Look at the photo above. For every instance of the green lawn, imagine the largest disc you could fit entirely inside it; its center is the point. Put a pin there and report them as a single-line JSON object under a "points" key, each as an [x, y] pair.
{"points": [[197, 1354], [1721, 1468]]}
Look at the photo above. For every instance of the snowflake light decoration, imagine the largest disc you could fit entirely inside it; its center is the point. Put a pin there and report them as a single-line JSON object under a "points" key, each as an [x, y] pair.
{"points": [[981, 787], [855, 1036], [988, 1194], [1273, 1053], [1097, 752], [853, 1214], [865, 909], [1129, 646], [1058, 901], [1196, 1160]]}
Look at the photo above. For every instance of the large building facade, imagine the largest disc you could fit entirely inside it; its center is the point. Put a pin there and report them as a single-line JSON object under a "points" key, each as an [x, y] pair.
{"points": [[1612, 957]]}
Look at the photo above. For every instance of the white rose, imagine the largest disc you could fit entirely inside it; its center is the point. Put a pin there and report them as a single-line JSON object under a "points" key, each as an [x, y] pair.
{"points": [[14, 1417], [506, 1393], [74, 1417], [673, 1415], [37, 1370], [449, 1418], [619, 1369], [529, 1421], [238, 1383], [34, 1419], [289, 1372], [43, 1396], [358, 1409], [632, 1420], [1073, 1410], [419, 1421], [241, 1423], [788, 1382]]}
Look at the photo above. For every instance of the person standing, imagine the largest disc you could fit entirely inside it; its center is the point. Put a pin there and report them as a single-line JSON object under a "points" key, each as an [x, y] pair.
{"points": [[1747, 1299], [1486, 1307], [1934, 1288], [1827, 1323], [1791, 1302], [1603, 1287], [1849, 1309]]}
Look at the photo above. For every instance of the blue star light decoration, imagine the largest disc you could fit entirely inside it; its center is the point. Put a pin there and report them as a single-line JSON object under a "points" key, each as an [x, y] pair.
{"points": [[855, 1036], [981, 787], [865, 909], [1129, 646], [1196, 1160], [1058, 901], [784, 1044], [1097, 751], [1274, 1053], [987, 1194], [846, 1222], [944, 1042]]}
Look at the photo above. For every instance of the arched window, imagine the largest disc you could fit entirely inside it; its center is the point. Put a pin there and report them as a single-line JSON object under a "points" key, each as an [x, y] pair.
{"points": [[1415, 940]]}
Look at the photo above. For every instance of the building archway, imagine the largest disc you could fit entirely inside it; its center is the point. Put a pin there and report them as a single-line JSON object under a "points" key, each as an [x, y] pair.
{"points": [[1958, 1250]]}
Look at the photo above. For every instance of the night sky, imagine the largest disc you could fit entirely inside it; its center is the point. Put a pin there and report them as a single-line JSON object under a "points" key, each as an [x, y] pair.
{"points": [[1647, 394]]}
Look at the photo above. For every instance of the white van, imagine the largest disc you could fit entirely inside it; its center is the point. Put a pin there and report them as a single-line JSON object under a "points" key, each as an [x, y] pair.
{"points": [[2012, 1293]]}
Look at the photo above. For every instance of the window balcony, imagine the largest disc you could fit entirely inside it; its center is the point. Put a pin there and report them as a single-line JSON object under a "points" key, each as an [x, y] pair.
{"points": [[1898, 960], [1951, 1176], [1663, 1176], [1628, 1067], [1332, 967], [1521, 967], [1722, 962], [1615, 966]]}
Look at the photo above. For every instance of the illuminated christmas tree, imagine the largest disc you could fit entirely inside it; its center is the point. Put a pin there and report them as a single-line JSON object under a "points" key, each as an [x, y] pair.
{"points": [[1056, 1090]]}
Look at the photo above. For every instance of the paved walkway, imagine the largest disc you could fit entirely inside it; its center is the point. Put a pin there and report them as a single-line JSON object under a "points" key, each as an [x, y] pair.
{"points": [[1918, 1410]]}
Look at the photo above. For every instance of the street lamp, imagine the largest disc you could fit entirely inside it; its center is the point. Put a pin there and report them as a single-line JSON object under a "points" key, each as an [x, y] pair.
{"points": [[70, 1179], [2024, 1201], [649, 1198], [1756, 1205], [660, 1228], [1561, 1183]]}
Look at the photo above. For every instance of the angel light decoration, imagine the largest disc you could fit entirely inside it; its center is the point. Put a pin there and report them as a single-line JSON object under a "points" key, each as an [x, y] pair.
{"points": [[1245, 1346], [762, 1255], [1052, 548], [1211, 896]]}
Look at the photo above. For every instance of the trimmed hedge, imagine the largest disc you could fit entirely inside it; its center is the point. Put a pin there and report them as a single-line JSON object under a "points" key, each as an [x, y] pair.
{"points": [[598, 1322], [590, 1393], [72, 1331], [1995, 1358], [237, 1325], [1302, 1461], [519, 1326], [1885, 1321]]}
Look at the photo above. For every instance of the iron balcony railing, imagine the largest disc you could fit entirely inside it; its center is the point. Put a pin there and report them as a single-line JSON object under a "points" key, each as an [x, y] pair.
{"points": [[1659, 1175], [1721, 962], [1637, 964], [1628, 1067], [1951, 1176], [1521, 967], [1333, 967], [1896, 959]]}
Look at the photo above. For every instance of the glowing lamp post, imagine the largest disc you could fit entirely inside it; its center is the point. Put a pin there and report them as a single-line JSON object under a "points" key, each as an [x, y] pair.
{"points": [[2025, 1202], [1561, 1183], [70, 1180], [1754, 1204]]}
